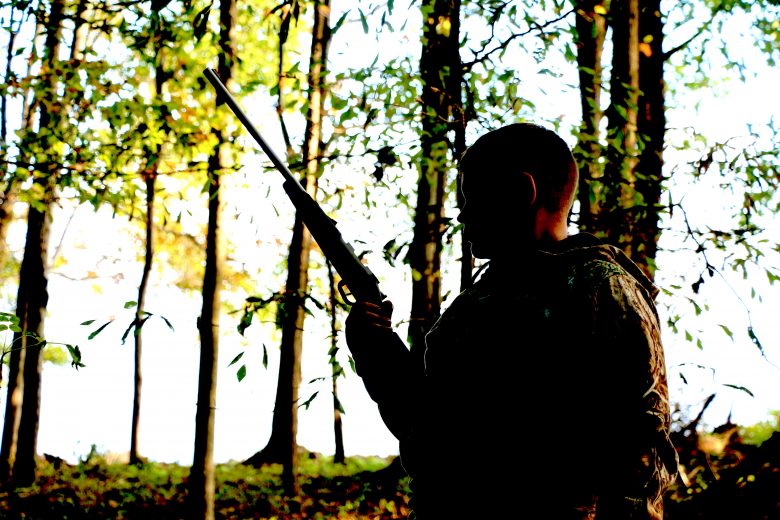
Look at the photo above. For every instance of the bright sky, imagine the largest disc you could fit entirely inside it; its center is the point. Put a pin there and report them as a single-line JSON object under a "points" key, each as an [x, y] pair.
{"points": [[93, 405]]}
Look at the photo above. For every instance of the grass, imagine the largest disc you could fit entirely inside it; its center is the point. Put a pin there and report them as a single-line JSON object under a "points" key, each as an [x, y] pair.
{"points": [[98, 489], [722, 476]]}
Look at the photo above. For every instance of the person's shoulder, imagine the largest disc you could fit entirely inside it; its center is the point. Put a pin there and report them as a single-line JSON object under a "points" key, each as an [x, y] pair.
{"points": [[592, 263]]}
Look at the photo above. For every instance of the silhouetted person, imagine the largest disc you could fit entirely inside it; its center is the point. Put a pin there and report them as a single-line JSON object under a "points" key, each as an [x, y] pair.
{"points": [[541, 391]]}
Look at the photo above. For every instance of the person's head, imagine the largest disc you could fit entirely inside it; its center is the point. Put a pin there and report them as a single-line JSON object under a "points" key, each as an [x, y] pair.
{"points": [[519, 183]]}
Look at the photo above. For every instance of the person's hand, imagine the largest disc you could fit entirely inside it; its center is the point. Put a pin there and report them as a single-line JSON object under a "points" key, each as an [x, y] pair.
{"points": [[368, 324]]}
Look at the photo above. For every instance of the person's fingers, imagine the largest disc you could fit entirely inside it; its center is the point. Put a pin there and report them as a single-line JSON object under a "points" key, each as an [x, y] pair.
{"points": [[371, 315], [387, 307]]}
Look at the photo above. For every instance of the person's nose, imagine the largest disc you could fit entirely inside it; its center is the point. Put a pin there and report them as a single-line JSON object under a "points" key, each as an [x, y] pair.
{"points": [[462, 215]]}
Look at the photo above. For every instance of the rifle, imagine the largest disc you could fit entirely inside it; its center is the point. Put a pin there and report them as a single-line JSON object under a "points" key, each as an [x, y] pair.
{"points": [[358, 278]]}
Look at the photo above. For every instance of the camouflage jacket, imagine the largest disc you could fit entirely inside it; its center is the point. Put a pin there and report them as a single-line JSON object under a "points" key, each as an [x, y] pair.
{"points": [[546, 378]]}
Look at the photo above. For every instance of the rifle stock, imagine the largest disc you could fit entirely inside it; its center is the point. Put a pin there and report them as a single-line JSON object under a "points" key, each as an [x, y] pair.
{"points": [[357, 277]]}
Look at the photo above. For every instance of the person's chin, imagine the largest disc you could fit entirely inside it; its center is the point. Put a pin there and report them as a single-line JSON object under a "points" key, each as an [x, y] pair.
{"points": [[478, 251]]}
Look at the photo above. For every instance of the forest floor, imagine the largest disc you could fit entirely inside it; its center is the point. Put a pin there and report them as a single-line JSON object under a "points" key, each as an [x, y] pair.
{"points": [[101, 488], [721, 478]]}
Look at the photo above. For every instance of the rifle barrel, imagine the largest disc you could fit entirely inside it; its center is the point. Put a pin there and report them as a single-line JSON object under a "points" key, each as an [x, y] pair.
{"points": [[223, 94]]}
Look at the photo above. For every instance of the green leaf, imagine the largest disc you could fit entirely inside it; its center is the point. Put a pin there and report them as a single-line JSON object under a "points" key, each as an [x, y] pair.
{"points": [[337, 404], [755, 340], [241, 374], [727, 331], [75, 355], [339, 23], [130, 304], [741, 388], [100, 329], [88, 322], [200, 23], [235, 359], [308, 401], [170, 325], [363, 21], [245, 322]]}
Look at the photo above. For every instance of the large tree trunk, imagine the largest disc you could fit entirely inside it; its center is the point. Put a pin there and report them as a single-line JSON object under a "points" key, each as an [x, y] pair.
{"points": [[440, 71], [615, 218], [16, 356], [33, 304], [651, 126], [591, 31], [202, 485], [282, 446]]}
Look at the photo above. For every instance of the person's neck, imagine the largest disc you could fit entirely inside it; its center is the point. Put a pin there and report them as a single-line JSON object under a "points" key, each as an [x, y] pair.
{"points": [[549, 231]]}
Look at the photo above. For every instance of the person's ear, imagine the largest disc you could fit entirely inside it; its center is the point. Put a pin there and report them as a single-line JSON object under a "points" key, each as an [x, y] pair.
{"points": [[529, 187]]}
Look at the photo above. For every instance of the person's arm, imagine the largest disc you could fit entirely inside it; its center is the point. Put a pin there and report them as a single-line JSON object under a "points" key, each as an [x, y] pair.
{"points": [[384, 363], [641, 460]]}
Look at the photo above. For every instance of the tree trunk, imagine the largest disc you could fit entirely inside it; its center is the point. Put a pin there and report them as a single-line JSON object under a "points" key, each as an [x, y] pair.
{"points": [[201, 481], [202, 485], [440, 71], [16, 357], [33, 304], [615, 219], [651, 127], [8, 181], [13, 402], [282, 446], [32, 299], [336, 372], [150, 181], [591, 31]]}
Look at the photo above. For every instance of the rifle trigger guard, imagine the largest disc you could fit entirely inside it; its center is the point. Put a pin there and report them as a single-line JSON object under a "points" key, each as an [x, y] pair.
{"points": [[344, 294]]}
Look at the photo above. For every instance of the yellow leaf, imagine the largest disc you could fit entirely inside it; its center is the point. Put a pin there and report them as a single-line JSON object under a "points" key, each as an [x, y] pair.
{"points": [[444, 26], [645, 49], [600, 9]]}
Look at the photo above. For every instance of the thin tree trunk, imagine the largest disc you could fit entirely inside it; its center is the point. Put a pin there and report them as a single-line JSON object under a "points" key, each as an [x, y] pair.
{"points": [[591, 32], [336, 372], [13, 405], [9, 187], [150, 181], [201, 481], [440, 71], [202, 485]]}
